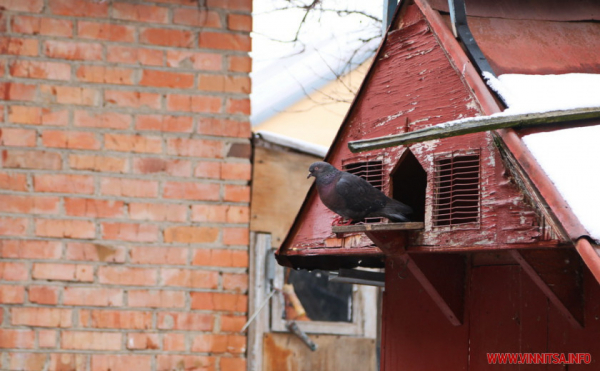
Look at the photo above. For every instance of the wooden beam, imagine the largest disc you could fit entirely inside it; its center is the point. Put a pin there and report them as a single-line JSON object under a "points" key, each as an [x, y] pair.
{"points": [[474, 125], [410, 226], [559, 274]]}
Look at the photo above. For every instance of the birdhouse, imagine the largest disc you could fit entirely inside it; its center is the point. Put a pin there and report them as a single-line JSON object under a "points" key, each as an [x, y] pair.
{"points": [[497, 258]]}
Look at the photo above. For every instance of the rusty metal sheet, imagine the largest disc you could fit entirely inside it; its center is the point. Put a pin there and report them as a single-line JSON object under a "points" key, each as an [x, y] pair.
{"points": [[551, 10], [286, 352]]}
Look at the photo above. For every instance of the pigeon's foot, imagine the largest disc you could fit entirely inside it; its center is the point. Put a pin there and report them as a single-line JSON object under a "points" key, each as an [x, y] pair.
{"points": [[340, 221]]}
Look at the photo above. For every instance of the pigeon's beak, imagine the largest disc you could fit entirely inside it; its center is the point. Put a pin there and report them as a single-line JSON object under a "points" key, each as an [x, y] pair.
{"points": [[309, 175]]}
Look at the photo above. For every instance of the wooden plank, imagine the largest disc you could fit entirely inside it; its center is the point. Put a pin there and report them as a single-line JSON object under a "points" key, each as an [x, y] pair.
{"points": [[474, 125], [410, 226]]}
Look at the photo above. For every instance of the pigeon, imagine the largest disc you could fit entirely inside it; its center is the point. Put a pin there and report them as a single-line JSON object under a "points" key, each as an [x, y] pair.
{"points": [[352, 197]]}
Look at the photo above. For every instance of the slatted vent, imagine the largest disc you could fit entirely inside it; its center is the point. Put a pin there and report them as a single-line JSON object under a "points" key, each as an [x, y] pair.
{"points": [[372, 172], [457, 199]]}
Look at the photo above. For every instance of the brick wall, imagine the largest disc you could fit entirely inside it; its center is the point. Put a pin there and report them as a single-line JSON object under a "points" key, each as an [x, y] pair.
{"points": [[124, 184]]}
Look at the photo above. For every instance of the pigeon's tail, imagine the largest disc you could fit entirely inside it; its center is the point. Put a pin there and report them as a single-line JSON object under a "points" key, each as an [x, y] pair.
{"points": [[396, 211]]}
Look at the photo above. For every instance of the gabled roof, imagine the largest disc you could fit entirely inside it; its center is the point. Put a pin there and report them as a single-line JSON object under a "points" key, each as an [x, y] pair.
{"points": [[534, 37]]}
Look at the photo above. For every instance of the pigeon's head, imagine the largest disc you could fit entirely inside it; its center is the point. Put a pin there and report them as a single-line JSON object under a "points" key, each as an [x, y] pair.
{"points": [[320, 168]]}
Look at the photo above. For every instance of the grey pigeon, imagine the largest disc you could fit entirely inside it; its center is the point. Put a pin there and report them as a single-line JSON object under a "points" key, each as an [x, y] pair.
{"points": [[352, 197]]}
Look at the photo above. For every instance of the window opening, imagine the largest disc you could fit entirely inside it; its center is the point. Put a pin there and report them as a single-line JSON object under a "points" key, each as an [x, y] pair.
{"points": [[409, 185], [372, 172]]}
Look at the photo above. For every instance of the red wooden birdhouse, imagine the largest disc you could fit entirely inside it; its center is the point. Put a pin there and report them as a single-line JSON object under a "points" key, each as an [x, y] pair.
{"points": [[497, 259]]}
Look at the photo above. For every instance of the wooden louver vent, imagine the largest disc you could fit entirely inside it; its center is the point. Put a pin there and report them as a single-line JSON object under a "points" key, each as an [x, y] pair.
{"points": [[372, 172], [457, 198]]}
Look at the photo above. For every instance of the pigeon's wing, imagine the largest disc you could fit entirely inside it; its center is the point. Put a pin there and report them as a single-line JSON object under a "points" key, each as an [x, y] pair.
{"points": [[359, 195]]}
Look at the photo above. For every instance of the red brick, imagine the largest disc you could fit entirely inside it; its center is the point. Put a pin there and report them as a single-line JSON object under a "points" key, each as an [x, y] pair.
{"points": [[93, 208], [174, 342], [150, 165], [219, 343], [197, 18], [10, 294], [42, 26], [127, 276], [185, 321], [20, 339], [18, 46], [41, 160], [221, 258], [28, 204], [189, 278], [131, 55], [96, 297], [243, 5], [164, 79], [70, 139], [12, 271], [37, 116], [17, 137], [224, 41], [236, 236], [233, 364], [79, 8], [82, 229], [192, 191], [120, 319], [88, 340], [238, 106], [219, 301], [159, 255], [134, 99], [13, 182], [63, 272], [98, 163], [15, 91], [68, 362], [121, 362], [224, 128], [236, 170], [73, 50], [130, 232], [70, 95], [40, 70], [238, 214], [13, 226], [32, 6], [177, 124], [47, 339], [239, 22], [224, 83], [240, 63], [43, 294], [140, 13], [183, 362], [185, 234], [26, 361], [194, 60], [41, 317], [95, 252], [105, 31], [195, 147], [142, 341], [63, 183], [194, 103], [158, 212], [167, 37], [108, 120], [209, 213], [156, 299], [30, 249], [105, 75], [132, 143], [237, 193], [235, 282], [128, 187], [232, 323], [206, 169]]}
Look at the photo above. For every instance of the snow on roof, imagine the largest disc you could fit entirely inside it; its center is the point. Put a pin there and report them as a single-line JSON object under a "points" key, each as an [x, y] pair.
{"points": [[293, 143], [569, 156]]}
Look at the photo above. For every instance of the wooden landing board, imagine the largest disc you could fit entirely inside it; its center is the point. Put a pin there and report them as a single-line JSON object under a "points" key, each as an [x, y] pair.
{"points": [[411, 226]]}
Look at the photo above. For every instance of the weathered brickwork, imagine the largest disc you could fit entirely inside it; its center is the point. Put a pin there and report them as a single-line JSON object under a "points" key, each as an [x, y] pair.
{"points": [[124, 184]]}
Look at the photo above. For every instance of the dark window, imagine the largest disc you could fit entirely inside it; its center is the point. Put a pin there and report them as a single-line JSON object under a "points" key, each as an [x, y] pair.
{"points": [[409, 185], [456, 190], [372, 172]]}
